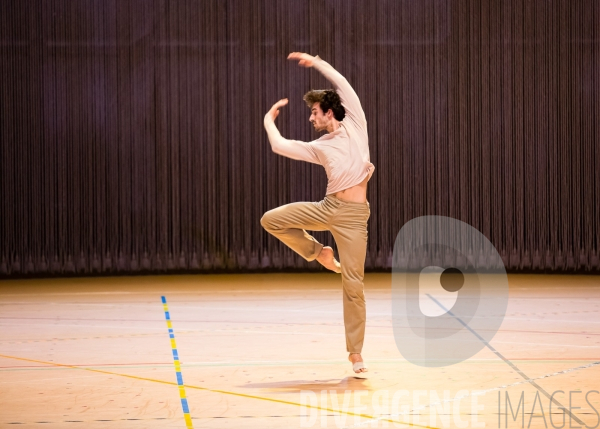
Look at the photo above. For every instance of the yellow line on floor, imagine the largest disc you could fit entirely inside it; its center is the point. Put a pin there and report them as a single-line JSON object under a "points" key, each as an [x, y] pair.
{"points": [[224, 392]]}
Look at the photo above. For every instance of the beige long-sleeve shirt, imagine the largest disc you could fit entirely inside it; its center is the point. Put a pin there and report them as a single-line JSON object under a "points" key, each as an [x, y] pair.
{"points": [[343, 153]]}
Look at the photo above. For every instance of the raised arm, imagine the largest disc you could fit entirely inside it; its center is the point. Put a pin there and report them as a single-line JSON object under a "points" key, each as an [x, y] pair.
{"points": [[289, 148], [350, 100]]}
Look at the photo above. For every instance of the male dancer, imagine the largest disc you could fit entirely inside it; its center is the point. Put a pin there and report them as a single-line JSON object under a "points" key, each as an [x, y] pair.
{"points": [[344, 152]]}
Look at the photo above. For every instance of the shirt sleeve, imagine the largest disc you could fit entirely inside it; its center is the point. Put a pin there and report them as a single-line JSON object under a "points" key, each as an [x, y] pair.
{"points": [[349, 98], [294, 149]]}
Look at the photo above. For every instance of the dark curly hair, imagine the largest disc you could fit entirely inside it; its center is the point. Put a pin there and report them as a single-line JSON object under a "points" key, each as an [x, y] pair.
{"points": [[327, 99]]}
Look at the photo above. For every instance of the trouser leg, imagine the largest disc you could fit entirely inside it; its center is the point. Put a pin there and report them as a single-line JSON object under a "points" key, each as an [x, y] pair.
{"points": [[348, 224], [350, 234], [289, 224]]}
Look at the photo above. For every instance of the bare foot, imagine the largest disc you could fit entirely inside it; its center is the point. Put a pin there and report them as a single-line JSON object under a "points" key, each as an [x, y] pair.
{"points": [[326, 259], [355, 358]]}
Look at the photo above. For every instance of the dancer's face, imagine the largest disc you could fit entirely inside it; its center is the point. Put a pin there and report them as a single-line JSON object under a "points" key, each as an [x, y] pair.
{"points": [[321, 121]]}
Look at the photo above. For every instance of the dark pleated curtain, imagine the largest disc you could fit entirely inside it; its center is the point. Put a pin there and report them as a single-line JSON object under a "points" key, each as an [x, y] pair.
{"points": [[132, 139]]}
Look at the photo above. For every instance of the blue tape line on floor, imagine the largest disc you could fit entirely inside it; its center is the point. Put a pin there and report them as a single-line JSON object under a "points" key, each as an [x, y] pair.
{"points": [[184, 402], [184, 405]]}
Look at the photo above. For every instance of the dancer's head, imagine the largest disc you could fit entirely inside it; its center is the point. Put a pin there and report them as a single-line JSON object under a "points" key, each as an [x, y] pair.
{"points": [[325, 108]]}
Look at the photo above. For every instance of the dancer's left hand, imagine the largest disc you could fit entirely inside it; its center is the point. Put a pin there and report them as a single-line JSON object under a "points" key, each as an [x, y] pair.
{"points": [[274, 112]]}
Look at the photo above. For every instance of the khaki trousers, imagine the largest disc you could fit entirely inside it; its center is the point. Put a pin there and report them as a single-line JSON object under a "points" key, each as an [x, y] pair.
{"points": [[347, 222]]}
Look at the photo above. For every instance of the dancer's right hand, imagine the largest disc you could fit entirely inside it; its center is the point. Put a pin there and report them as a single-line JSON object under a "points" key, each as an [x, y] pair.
{"points": [[304, 60], [274, 112]]}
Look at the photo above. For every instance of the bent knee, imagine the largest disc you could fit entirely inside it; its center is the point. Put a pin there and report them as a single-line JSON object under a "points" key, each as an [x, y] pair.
{"points": [[267, 220]]}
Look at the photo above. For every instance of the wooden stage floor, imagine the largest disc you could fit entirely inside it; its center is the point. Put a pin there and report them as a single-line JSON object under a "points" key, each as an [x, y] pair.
{"points": [[268, 351]]}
